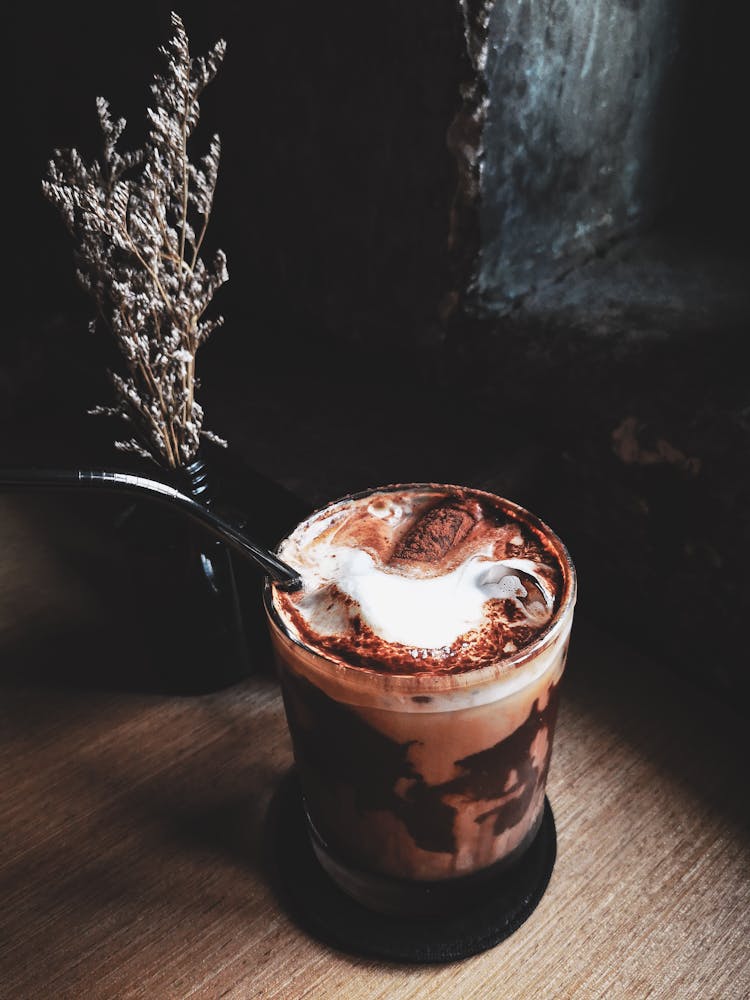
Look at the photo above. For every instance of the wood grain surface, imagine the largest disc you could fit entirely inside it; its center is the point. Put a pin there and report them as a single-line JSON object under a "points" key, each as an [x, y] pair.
{"points": [[131, 855]]}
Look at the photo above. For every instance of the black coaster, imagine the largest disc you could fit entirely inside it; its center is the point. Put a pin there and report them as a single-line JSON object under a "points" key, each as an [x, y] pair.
{"points": [[327, 913]]}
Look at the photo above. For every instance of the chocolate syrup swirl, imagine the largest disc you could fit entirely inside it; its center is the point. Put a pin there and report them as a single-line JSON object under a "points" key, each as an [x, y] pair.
{"points": [[335, 747]]}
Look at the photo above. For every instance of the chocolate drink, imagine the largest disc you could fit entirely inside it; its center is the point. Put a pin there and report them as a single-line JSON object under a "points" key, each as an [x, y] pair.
{"points": [[420, 666]]}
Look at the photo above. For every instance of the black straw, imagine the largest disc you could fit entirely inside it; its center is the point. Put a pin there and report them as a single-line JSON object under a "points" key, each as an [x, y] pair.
{"points": [[123, 482]]}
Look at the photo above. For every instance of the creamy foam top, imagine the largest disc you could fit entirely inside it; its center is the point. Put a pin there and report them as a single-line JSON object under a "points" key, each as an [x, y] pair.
{"points": [[436, 579]]}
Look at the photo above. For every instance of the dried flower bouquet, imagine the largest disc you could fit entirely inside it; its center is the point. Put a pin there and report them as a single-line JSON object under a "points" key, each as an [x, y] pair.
{"points": [[139, 220]]}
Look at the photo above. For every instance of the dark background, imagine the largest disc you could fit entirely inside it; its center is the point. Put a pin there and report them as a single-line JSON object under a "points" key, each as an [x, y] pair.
{"points": [[340, 367], [335, 178]]}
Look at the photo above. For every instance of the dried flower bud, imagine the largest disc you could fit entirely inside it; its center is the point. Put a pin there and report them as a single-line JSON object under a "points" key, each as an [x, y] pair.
{"points": [[139, 219]]}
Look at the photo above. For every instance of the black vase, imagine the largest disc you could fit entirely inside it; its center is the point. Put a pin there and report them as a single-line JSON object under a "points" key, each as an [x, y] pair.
{"points": [[201, 605], [173, 600]]}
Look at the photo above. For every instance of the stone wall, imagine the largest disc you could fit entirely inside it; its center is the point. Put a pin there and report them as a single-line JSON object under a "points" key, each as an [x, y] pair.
{"points": [[578, 99]]}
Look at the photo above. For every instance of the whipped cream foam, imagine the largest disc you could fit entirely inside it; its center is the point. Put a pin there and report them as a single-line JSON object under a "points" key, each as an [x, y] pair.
{"points": [[415, 579]]}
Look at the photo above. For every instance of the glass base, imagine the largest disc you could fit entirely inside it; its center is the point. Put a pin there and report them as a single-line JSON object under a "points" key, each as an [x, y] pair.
{"points": [[413, 898], [488, 914]]}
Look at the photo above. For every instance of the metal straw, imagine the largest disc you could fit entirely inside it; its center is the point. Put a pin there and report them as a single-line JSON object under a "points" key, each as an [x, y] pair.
{"points": [[122, 482]]}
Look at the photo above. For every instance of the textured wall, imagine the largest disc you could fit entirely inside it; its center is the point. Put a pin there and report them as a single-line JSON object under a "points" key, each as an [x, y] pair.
{"points": [[576, 125]]}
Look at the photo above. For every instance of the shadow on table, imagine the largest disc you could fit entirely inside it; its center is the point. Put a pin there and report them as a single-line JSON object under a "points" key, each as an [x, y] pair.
{"points": [[689, 734]]}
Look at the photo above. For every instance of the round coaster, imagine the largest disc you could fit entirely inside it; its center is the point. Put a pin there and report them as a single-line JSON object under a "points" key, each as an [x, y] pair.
{"points": [[327, 913]]}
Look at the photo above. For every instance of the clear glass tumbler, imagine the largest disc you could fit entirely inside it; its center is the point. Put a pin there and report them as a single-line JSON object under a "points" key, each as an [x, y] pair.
{"points": [[419, 788]]}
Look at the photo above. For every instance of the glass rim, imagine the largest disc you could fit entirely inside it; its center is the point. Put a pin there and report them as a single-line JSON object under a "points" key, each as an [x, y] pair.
{"points": [[428, 680]]}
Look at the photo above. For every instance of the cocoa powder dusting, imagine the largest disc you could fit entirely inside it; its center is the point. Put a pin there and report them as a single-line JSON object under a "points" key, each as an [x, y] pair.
{"points": [[438, 536]]}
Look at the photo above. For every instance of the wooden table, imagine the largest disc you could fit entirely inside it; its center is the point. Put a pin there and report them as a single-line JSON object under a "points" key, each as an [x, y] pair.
{"points": [[131, 860]]}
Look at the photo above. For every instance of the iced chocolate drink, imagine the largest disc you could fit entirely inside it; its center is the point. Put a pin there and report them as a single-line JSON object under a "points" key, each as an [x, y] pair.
{"points": [[420, 666]]}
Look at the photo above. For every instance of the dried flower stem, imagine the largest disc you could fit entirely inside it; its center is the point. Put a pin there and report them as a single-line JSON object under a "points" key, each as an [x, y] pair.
{"points": [[137, 253]]}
